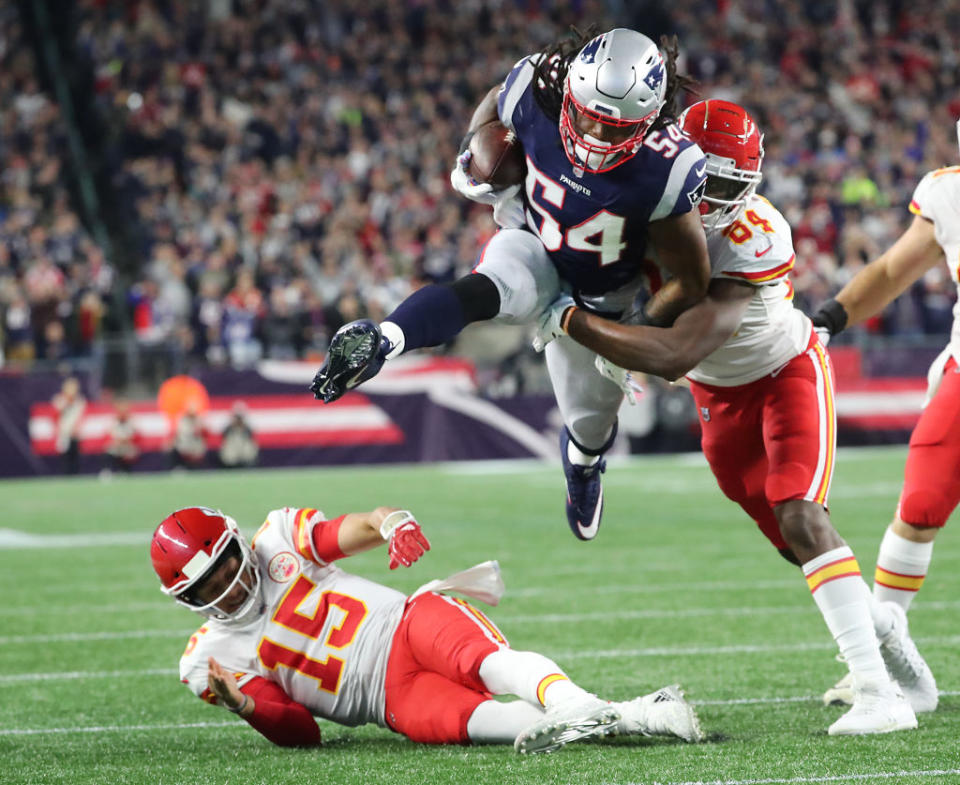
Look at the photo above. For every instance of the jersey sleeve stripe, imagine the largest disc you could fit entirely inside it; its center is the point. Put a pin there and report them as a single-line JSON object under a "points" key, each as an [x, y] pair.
{"points": [[301, 534], [678, 176], [765, 275], [915, 207], [513, 91]]}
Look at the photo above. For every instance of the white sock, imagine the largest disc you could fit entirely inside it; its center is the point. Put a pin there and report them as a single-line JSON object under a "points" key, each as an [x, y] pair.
{"points": [[394, 334], [844, 600], [493, 722], [632, 717], [532, 677], [901, 567], [579, 458]]}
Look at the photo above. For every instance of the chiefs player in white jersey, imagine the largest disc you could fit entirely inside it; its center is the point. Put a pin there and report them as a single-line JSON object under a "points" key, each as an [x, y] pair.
{"points": [[763, 387], [290, 636], [931, 486]]}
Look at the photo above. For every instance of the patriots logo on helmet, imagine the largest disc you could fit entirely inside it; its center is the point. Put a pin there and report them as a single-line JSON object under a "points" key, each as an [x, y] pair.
{"points": [[696, 195], [655, 75], [589, 53]]}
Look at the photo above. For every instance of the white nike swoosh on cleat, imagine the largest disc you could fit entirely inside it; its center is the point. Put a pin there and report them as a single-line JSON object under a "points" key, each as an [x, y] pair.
{"points": [[589, 532]]}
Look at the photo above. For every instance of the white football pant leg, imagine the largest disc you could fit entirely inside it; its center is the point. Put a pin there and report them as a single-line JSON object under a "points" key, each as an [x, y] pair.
{"points": [[588, 401], [517, 263]]}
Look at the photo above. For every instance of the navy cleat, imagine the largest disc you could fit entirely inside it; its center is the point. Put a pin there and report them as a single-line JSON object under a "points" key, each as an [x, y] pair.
{"points": [[584, 493], [356, 354]]}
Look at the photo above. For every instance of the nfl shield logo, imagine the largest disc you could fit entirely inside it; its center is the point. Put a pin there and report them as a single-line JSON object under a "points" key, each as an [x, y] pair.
{"points": [[705, 413]]}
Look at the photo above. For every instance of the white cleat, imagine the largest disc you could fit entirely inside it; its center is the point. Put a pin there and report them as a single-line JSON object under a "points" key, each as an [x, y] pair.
{"points": [[661, 713], [905, 664], [569, 721], [876, 711], [841, 693]]}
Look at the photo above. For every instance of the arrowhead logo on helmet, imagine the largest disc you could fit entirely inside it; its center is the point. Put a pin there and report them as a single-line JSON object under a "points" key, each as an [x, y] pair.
{"points": [[733, 146]]}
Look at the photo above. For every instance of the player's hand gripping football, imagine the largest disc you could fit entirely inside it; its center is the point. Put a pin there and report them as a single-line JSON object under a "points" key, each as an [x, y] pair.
{"points": [[483, 193], [405, 540], [223, 684], [551, 323]]}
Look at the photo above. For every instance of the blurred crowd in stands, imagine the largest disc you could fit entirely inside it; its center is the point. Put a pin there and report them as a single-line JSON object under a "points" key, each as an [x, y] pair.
{"points": [[284, 163]]}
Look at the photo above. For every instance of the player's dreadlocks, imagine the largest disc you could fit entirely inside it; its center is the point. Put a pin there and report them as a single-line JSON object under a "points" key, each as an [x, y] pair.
{"points": [[551, 73]]}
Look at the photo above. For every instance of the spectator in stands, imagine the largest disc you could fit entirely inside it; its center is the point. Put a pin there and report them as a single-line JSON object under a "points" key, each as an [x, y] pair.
{"points": [[70, 405], [123, 449], [189, 447], [239, 446]]}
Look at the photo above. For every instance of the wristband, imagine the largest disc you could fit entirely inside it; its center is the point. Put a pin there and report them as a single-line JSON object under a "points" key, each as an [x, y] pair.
{"points": [[393, 520], [832, 316], [241, 707], [566, 317]]}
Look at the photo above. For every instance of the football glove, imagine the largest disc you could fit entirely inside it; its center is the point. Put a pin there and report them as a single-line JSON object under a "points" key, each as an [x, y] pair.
{"points": [[551, 323], [405, 541], [483, 193], [830, 320], [620, 377]]}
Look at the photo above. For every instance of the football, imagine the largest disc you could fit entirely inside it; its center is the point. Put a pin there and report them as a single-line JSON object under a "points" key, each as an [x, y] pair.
{"points": [[496, 156]]}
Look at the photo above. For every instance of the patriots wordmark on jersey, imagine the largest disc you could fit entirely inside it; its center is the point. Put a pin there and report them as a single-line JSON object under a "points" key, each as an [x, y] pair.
{"points": [[594, 225]]}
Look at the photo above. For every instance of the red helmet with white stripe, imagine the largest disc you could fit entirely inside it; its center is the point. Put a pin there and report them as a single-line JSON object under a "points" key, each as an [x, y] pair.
{"points": [[190, 545], [733, 146]]}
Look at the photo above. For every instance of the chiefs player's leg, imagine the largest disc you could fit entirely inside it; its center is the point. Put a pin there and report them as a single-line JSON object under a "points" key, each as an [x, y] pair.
{"points": [[931, 492], [731, 436], [800, 434], [447, 661]]}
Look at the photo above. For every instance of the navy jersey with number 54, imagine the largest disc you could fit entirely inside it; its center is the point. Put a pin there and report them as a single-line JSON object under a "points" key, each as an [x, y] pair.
{"points": [[594, 226]]}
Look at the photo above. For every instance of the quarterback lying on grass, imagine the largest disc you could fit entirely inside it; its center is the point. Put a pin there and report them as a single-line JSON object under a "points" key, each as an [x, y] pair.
{"points": [[290, 636]]}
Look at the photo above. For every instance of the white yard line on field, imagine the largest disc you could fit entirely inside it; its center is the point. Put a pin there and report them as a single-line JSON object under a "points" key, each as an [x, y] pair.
{"points": [[120, 728], [21, 678], [530, 618], [859, 777]]}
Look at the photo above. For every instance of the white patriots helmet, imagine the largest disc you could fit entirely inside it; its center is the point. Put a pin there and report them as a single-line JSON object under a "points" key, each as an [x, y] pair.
{"points": [[618, 80]]}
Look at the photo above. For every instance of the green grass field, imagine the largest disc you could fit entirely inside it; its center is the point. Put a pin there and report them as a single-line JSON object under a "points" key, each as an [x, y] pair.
{"points": [[678, 587]]}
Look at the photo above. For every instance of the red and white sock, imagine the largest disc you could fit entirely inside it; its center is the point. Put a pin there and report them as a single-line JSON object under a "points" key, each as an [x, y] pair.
{"points": [[532, 677], [843, 599], [901, 567]]}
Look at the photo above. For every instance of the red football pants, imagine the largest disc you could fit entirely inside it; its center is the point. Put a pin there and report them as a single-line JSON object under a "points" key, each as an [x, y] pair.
{"points": [[931, 478], [773, 440], [433, 675]]}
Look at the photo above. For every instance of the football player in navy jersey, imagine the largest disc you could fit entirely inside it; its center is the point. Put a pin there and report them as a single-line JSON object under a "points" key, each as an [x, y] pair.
{"points": [[608, 170]]}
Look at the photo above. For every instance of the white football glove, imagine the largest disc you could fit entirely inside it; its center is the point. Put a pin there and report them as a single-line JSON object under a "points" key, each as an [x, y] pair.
{"points": [[483, 193], [549, 324], [620, 377], [823, 334]]}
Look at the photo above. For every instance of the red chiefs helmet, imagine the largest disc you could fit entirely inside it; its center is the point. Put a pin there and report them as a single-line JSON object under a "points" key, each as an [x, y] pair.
{"points": [[733, 146], [189, 545]]}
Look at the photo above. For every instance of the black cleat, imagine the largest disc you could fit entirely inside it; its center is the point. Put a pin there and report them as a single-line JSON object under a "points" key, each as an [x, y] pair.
{"points": [[357, 353], [584, 493]]}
